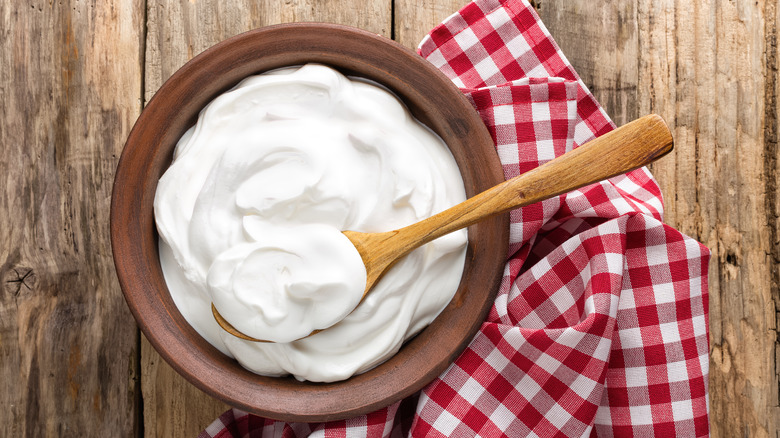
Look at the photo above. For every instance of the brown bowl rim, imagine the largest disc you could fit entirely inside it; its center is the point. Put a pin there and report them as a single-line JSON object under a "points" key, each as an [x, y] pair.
{"points": [[148, 151]]}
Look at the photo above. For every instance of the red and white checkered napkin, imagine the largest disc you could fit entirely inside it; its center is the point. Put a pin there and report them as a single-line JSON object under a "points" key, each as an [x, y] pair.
{"points": [[600, 325]]}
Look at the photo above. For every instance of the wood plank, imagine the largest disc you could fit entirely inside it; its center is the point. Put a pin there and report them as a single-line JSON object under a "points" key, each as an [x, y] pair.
{"points": [[70, 87], [704, 66], [710, 69], [177, 31]]}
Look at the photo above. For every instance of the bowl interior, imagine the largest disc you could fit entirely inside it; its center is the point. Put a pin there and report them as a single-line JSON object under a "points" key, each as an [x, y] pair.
{"points": [[431, 97]]}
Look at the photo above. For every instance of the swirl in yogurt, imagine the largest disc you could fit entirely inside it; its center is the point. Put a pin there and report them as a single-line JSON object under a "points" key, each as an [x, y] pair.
{"points": [[251, 210]]}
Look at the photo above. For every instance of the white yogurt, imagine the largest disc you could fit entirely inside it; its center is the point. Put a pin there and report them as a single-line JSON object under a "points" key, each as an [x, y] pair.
{"points": [[251, 210]]}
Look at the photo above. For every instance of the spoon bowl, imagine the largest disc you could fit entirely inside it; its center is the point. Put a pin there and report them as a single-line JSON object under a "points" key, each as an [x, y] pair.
{"points": [[631, 146]]}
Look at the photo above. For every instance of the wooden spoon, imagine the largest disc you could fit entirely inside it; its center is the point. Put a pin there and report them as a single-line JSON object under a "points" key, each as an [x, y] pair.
{"points": [[631, 146]]}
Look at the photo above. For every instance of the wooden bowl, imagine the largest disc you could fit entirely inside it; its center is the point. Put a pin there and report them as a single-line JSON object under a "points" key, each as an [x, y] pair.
{"points": [[431, 97]]}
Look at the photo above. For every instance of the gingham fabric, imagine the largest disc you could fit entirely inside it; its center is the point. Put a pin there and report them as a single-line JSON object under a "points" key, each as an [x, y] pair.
{"points": [[600, 325]]}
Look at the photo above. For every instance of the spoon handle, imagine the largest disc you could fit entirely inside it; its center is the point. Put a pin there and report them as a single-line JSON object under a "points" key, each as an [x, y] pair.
{"points": [[629, 147]]}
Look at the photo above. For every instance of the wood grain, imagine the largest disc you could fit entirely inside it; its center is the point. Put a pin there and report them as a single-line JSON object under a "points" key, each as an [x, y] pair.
{"points": [[177, 31], [712, 81], [710, 68], [70, 75]]}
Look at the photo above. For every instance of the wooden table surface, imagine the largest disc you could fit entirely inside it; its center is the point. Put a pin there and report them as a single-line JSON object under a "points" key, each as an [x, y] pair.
{"points": [[75, 74]]}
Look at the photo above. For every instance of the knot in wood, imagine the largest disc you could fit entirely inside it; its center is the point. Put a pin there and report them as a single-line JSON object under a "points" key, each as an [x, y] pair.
{"points": [[19, 279]]}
